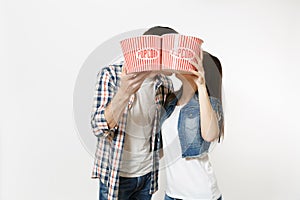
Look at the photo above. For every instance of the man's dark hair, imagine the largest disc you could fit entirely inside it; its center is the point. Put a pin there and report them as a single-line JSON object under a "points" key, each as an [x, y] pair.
{"points": [[159, 30]]}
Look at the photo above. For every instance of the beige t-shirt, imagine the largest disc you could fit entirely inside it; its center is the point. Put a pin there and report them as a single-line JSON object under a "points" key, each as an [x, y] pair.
{"points": [[137, 158]]}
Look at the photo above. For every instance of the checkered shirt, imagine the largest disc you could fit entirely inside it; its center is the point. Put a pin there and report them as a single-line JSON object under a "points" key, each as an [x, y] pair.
{"points": [[111, 141]]}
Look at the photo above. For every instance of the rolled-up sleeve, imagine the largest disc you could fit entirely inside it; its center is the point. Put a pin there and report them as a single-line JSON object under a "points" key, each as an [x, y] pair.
{"points": [[103, 93]]}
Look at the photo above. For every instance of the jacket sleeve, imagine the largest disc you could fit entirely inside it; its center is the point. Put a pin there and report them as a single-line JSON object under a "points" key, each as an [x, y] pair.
{"points": [[218, 108], [103, 93]]}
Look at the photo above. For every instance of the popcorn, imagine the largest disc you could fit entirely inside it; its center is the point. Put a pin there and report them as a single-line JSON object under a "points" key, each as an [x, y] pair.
{"points": [[178, 51], [170, 52]]}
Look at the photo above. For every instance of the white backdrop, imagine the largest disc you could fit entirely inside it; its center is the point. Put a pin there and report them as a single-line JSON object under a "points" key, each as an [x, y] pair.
{"points": [[45, 42]]}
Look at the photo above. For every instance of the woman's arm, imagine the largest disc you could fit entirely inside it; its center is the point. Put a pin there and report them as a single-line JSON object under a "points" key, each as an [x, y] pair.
{"points": [[209, 122]]}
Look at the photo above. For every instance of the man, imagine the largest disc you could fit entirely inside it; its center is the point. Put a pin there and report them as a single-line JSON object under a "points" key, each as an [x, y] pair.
{"points": [[126, 120]]}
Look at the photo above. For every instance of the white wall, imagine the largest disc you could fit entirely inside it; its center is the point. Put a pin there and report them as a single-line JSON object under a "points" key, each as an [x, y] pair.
{"points": [[45, 42]]}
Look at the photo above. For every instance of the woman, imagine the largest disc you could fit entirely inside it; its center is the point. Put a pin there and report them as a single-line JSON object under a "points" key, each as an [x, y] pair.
{"points": [[193, 119]]}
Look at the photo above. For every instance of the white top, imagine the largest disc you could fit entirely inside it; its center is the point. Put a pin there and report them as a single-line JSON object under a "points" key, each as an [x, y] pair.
{"points": [[187, 179], [137, 158]]}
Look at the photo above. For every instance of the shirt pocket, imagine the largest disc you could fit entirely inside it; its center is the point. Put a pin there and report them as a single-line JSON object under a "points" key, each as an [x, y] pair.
{"points": [[189, 129], [192, 117]]}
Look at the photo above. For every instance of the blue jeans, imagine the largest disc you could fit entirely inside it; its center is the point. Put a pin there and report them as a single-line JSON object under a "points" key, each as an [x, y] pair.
{"points": [[136, 188], [170, 198]]}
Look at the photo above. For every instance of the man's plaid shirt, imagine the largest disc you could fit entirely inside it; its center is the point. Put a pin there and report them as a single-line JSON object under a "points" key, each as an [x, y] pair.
{"points": [[110, 142]]}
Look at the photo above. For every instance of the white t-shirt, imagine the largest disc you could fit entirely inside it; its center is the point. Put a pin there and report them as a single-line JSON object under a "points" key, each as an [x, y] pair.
{"points": [[187, 179], [137, 158]]}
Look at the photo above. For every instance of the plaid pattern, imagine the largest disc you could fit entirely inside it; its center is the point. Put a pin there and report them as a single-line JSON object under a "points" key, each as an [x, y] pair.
{"points": [[110, 142]]}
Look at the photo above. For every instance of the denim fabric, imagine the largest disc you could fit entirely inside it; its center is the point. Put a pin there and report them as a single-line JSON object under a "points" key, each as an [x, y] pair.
{"points": [[171, 198], [136, 188], [103, 191], [189, 131]]}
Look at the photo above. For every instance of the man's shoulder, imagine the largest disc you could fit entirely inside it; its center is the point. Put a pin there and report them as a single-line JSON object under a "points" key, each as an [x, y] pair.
{"points": [[115, 66], [112, 69]]}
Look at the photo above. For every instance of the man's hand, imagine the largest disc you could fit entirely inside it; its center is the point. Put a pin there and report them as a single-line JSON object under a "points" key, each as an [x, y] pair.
{"points": [[131, 83]]}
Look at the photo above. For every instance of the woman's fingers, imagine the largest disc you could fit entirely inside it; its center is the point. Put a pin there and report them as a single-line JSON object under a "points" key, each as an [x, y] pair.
{"points": [[198, 64], [200, 77], [198, 59], [198, 73]]}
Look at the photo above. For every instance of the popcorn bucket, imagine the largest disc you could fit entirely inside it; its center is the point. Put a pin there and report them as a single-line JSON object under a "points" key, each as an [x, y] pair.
{"points": [[142, 53], [178, 51]]}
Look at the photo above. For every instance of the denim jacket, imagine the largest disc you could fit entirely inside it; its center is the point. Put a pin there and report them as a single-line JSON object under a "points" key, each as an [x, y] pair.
{"points": [[189, 131]]}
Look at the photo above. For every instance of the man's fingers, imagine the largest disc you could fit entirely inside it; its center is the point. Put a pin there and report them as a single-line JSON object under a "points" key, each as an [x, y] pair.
{"points": [[132, 76], [140, 76]]}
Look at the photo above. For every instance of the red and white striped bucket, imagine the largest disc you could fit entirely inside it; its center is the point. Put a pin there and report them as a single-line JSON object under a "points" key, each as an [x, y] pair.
{"points": [[178, 51], [142, 53]]}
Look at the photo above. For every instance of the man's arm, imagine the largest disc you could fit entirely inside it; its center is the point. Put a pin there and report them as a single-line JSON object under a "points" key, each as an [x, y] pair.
{"points": [[104, 92], [109, 106], [129, 85]]}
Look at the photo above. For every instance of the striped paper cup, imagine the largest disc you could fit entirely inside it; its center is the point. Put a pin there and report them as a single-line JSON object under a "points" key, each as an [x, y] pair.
{"points": [[178, 51], [142, 53]]}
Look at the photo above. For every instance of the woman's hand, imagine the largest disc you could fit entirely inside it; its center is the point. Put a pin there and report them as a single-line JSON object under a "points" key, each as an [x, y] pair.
{"points": [[199, 73]]}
